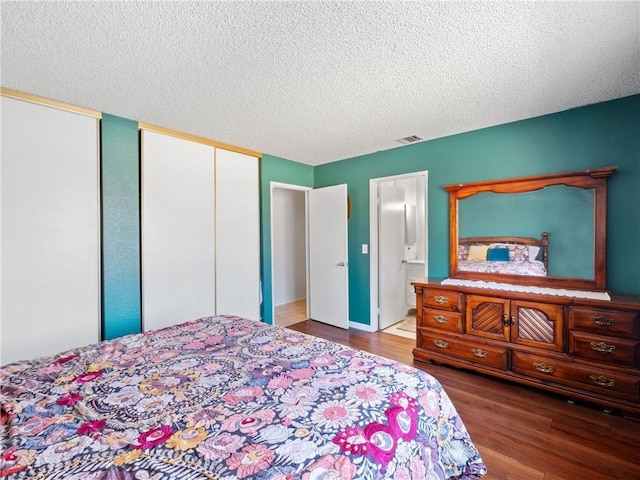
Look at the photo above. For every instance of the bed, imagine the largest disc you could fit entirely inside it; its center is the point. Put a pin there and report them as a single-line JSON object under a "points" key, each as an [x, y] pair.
{"points": [[227, 398], [505, 255]]}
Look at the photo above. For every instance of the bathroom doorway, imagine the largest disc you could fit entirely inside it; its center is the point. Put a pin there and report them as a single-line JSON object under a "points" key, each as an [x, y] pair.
{"points": [[399, 249]]}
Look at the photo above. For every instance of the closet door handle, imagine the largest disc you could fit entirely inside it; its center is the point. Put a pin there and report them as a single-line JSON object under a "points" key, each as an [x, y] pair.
{"points": [[505, 319], [342, 264]]}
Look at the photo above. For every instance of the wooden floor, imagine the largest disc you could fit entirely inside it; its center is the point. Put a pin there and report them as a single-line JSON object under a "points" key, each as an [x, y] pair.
{"points": [[290, 313], [521, 433]]}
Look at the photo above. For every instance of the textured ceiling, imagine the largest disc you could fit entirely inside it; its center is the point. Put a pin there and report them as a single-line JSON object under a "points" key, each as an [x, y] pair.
{"points": [[317, 82]]}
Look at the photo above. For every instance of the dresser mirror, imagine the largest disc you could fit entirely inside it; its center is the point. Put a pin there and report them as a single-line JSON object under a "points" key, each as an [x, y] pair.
{"points": [[545, 230]]}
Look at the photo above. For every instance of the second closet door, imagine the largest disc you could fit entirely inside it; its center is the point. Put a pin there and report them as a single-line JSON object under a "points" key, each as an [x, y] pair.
{"points": [[178, 230], [237, 235]]}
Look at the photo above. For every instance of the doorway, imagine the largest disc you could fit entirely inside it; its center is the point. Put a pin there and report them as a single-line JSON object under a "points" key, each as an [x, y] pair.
{"points": [[289, 254], [399, 249], [309, 245]]}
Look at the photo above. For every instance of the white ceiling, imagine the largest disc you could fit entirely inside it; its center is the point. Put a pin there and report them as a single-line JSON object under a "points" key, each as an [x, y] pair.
{"points": [[317, 82]]}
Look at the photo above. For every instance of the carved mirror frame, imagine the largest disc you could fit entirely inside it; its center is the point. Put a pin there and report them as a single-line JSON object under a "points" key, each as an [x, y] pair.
{"points": [[595, 179]]}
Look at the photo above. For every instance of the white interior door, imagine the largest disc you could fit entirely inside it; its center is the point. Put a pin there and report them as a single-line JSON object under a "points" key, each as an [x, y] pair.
{"points": [[328, 261], [391, 248]]}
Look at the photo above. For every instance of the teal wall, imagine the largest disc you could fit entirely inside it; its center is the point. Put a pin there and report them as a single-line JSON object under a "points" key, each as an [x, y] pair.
{"points": [[274, 169], [594, 136], [598, 135], [120, 227]]}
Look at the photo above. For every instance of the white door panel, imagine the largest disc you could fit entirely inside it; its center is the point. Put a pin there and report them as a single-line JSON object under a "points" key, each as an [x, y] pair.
{"points": [[237, 235], [392, 270], [328, 260], [178, 276], [50, 216]]}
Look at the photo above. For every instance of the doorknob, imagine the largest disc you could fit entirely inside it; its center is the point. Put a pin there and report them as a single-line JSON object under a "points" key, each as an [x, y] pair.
{"points": [[342, 264]]}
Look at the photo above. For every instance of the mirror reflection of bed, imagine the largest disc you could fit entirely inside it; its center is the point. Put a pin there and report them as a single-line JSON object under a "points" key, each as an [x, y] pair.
{"points": [[505, 255]]}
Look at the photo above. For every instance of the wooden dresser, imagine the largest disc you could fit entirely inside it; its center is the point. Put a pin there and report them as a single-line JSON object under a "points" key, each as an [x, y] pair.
{"points": [[587, 350]]}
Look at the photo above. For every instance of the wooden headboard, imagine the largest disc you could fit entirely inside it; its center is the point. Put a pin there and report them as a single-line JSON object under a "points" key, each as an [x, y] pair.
{"points": [[542, 242]]}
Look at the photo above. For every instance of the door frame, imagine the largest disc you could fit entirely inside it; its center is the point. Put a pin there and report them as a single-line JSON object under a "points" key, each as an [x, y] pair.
{"points": [[374, 240], [289, 186]]}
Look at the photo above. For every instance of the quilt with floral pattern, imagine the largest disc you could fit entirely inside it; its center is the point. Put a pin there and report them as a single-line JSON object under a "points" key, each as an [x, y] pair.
{"points": [[227, 398]]}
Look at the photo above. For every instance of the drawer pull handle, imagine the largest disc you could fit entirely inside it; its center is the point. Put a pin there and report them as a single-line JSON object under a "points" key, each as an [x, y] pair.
{"points": [[479, 353], [440, 319], [541, 367], [603, 381], [441, 344], [441, 299], [602, 321], [602, 347]]}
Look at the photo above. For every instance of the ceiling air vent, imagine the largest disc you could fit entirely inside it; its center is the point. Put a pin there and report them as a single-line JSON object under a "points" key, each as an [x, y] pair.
{"points": [[409, 139]]}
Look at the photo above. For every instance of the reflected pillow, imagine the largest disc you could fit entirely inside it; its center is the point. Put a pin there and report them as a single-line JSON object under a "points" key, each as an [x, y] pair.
{"points": [[478, 252], [517, 251], [498, 254], [533, 253]]}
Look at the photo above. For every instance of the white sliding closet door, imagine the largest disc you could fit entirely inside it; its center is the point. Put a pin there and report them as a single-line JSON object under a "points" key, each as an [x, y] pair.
{"points": [[50, 253], [237, 235], [178, 272]]}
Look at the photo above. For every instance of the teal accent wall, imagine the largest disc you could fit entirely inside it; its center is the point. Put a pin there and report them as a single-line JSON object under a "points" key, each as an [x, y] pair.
{"points": [[589, 137], [120, 227], [275, 169], [594, 136]]}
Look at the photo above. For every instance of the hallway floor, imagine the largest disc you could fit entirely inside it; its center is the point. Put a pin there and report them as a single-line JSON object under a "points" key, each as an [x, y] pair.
{"points": [[291, 313]]}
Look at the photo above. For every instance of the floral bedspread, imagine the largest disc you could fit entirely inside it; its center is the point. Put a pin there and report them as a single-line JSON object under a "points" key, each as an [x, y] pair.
{"points": [[225, 398], [533, 268]]}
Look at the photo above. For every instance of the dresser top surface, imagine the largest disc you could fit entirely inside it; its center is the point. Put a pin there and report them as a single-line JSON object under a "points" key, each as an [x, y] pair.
{"points": [[617, 300]]}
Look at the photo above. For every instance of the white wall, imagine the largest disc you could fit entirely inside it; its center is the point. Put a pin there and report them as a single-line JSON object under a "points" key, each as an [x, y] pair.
{"points": [[414, 193], [289, 262]]}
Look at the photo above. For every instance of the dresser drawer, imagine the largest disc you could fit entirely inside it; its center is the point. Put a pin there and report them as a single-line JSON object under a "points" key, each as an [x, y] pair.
{"points": [[442, 319], [490, 356], [443, 299], [604, 321], [604, 349], [597, 380]]}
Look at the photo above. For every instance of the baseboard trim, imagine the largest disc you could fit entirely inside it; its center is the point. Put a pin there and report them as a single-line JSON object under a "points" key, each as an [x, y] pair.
{"points": [[362, 326]]}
